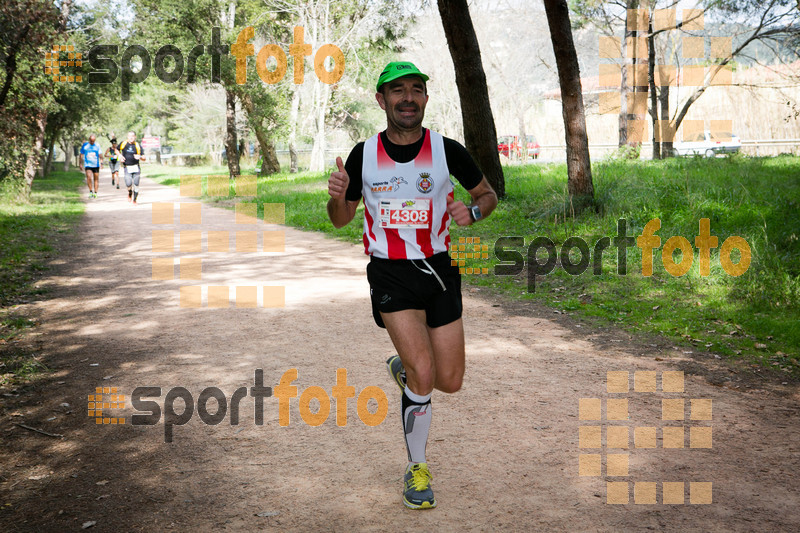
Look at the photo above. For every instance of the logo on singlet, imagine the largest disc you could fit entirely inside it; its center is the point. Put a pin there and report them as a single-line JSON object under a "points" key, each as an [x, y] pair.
{"points": [[386, 186], [424, 183]]}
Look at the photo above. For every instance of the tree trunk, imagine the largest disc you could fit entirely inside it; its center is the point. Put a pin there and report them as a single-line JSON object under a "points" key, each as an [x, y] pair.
{"points": [[579, 169], [240, 151], [33, 158], [293, 130], [480, 134], [66, 147], [668, 133], [322, 91], [269, 159], [523, 136], [639, 113], [230, 133], [651, 78], [624, 90], [49, 160]]}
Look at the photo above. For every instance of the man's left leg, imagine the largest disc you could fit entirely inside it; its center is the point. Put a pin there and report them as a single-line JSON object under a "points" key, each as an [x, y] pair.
{"points": [[448, 355], [433, 358]]}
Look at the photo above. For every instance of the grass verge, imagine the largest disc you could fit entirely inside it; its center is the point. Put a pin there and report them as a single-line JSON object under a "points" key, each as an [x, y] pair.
{"points": [[28, 231]]}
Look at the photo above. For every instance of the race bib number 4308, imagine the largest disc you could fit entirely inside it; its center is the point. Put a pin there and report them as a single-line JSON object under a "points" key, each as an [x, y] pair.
{"points": [[398, 213]]}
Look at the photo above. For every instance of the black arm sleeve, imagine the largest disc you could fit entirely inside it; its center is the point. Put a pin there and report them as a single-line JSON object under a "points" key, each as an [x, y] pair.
{"points": [[461, 165], [353, 166]]}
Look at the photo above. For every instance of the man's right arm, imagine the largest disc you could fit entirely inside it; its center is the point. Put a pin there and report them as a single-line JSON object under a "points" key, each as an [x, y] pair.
{"points": [[340, 210]]}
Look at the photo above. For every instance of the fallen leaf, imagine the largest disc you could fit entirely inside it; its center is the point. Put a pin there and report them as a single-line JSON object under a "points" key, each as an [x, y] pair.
{"points": [[268, 513], [90, 523], [104, 482]]}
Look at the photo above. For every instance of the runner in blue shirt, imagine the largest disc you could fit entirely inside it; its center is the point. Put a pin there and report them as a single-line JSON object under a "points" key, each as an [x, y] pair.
{"points": [[90, 163]]}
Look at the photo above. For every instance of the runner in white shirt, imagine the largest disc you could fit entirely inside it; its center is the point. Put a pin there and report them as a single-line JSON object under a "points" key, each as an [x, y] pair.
{"points": [[403, 175]]}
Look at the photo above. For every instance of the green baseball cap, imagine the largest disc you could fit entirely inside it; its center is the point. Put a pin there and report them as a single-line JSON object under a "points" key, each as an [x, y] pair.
{"points": [[398, 69]]}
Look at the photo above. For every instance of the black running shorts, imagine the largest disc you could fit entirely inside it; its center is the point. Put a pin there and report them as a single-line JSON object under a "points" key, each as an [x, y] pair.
{"points": [[399, 284], [93, 169]]}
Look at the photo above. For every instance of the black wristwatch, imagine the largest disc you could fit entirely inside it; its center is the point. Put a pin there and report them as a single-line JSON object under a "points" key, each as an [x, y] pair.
{"points": [[475, 213]]}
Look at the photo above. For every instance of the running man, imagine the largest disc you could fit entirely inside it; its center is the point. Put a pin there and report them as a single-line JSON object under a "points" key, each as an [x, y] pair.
{"points": [[403, 175], [113, 154], [90, 163], [131, 155]]}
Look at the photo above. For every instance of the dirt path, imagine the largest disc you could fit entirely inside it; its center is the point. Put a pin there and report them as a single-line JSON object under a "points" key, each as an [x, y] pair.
{"points": [[504, 451]]}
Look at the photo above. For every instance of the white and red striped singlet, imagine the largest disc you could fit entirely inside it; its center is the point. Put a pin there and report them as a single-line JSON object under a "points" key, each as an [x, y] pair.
{"points": [[425, 179]]}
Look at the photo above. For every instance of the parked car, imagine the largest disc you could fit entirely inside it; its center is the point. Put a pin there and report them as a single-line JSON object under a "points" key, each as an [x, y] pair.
{"points": [[709, 144], [508, 144]]}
